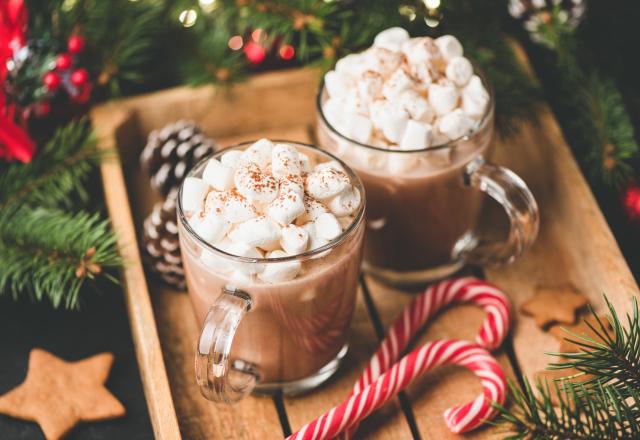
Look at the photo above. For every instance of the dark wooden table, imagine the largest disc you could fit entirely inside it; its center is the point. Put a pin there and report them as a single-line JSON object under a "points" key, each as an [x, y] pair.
{"points": [[102, 325]]}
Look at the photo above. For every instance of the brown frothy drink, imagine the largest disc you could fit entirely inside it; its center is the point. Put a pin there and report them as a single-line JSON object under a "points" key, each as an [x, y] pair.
{"points": [[415, 120], [271, 239]]}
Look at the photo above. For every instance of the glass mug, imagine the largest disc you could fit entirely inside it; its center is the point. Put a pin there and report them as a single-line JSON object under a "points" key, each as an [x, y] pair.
{"points": [[420, 223], [288, 336]]}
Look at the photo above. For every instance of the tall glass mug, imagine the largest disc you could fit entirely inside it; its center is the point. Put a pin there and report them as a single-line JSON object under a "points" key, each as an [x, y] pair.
{"points": [[420, 222], [285, 336]]}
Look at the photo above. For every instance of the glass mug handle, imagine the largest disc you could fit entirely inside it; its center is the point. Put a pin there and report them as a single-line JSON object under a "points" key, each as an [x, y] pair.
{"points": [[510, 191], [220, 379]]}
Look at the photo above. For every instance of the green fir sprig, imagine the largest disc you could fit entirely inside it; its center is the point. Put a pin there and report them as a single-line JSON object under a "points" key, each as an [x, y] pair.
{"points": [[49, 245], [605, 404]]}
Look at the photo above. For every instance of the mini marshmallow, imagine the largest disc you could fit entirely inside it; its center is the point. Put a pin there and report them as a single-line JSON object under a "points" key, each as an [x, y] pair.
{"points": [[252, 183], [400, 163], [345, 203], [416, 136], [218, 175], [256, 232], [326, 183], [333, 164], [380, 60], [397, 83], [358, 127], [423, 52], [259, 153], [231, 158], [287, 205], [194, 191], [278, 272], [332, 111], [449, 46], [237, 208], [285, 161], [316, 242], [211, 228], [294, 239], [370, 159], [351, 64], [327, 226], [369, 86], [459, 70], [345, 222], [242, 250], [443, 97], [416, 106], [391, 38], [454, 125], [312, 209], [337, 83], [305, 163], [394, 123], [475, 98]]}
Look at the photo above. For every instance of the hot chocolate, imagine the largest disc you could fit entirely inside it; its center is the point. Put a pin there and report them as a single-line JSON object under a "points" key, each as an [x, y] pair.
{"points": [[415, 121], [271, 232]]}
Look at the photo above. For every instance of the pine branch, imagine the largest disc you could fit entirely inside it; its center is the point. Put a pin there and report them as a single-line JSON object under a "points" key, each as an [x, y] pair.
{"points": [[57, 175], [48, 253], [604, 406]]}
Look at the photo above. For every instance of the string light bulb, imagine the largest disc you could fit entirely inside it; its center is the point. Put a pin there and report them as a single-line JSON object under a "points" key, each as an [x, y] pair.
{"points": [[188, 17]]}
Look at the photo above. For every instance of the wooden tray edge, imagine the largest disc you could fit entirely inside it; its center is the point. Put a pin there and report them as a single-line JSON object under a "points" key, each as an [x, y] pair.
{"points": [[107, 120]]}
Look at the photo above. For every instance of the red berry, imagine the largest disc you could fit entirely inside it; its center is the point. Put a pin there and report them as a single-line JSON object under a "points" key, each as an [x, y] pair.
{"points": [[51, 80], [79, 77], [63, 62], [254, 52], [43, 108], [287, 52], [75, 44]]}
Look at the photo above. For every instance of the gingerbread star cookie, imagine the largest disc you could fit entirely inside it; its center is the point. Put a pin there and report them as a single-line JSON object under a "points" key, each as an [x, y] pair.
{"points": [[565, 332], [554, 305], [58, 394]]}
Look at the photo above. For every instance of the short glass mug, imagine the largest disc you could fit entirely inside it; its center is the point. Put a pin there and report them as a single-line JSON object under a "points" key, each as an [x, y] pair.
{"points": [[420, 224], [288, 336]]}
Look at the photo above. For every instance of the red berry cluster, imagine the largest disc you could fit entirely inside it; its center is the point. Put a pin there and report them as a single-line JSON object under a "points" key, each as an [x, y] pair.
{"points": [[74, 80]]}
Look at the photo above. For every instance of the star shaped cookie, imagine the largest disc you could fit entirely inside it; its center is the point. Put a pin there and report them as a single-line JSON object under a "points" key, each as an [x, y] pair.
{"points": [[57, 394], [580, 329], [554, 305]]}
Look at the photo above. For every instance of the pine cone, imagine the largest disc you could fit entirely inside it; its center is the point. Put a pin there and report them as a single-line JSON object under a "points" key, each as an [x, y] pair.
{"points": [[172, 151], [161, 244]]}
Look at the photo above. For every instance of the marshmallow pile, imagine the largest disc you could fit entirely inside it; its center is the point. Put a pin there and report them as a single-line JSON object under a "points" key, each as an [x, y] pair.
{"points": [[405, 93], [268, 201]]}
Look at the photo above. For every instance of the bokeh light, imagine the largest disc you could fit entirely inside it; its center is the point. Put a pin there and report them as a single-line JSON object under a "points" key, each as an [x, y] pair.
{"points": [[235, 42], [188, 17]]}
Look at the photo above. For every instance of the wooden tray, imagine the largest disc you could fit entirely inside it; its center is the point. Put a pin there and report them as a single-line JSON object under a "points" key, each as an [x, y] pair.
{"points": [[575, 246]]}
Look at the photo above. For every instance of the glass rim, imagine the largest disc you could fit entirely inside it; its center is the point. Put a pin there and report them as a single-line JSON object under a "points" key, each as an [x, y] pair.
{"points": [[357, 221], [486, 118]]}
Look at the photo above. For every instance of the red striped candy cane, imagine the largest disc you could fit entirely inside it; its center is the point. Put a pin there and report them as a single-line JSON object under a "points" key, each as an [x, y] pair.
{"points": [[490, 336], [401, 374]]}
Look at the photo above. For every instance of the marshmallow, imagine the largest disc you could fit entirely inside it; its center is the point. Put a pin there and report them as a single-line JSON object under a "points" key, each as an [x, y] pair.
{"points": [[397, 83], [332, 110], [327, 226], [416, 106], [400, 162], [252, 183], [333, 164], [358, 127], [256, 232], [443, 97], [211, 228], [369, 86], [285, 161], [337, 83], [287, 205], [381, 60], [370, 159], [237, 208], [259, 153], [294, 239], [416, 136], [346, 202], [422, 52], [459, 70], [231, 158], [312, 209], [394, 123], [242, 250], [316, 242], [454, 125], [218, 175], [326, 183], [278, 272], [305, 163], [194, 191], [345, 222], [391, 38], [449, 46], [475, 98], [351, 64]]}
